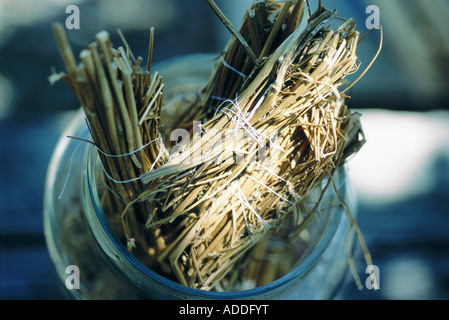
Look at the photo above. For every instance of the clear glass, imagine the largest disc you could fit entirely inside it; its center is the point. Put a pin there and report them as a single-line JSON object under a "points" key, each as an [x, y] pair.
{"points": [[78, 233]]}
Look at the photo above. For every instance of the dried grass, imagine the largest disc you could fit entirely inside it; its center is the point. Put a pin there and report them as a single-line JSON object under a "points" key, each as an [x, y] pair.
{"points": [[274, 126]]}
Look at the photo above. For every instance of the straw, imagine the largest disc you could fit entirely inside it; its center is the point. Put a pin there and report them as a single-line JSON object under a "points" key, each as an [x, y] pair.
{"points": [[274, 128]]}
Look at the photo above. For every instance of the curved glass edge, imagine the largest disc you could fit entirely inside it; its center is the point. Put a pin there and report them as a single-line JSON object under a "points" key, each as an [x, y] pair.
{"points": [[50, 196], [332, 265], [154, 285]]}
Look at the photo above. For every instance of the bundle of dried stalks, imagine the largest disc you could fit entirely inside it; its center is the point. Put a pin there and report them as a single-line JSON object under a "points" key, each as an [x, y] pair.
{"points": [[274, 126], [122, 104]]}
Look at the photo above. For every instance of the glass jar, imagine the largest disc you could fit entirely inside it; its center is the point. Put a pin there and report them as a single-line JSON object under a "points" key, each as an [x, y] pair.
{"points": [[80, 238]]}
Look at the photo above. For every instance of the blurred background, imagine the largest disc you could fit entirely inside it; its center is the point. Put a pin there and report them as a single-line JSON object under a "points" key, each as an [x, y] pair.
{"points": [[401, 175]]}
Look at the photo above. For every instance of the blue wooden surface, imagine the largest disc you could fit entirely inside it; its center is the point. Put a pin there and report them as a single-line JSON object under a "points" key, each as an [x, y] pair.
{"points": [[408, 238]]}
